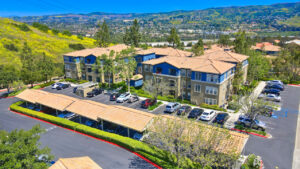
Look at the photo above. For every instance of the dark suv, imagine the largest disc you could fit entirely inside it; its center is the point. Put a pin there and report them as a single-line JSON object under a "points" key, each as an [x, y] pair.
{"points": [[94, 92], [62, 86]]}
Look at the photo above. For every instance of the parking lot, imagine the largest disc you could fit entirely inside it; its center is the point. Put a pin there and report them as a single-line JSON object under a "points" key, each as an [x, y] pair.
{"points": [[104, 98], [278, 150]]}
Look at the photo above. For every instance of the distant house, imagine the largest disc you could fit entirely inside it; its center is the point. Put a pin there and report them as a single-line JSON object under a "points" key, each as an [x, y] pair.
{"points": [[267, 47], [75, 163], [295, 41]]}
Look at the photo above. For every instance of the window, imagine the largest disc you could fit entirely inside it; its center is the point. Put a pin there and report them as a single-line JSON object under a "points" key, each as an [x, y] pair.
{"points": [[211, 90], [189, 74], [139, 59], [158, 70], [140, 70], [68, 74], [98, 79], [89, 69], [96, 71], [67, 66], [88, 61], [212, 78], [189, 86], [146, 67], [172, 92], [90, 78], [183, 72], [83, 77], [172, 72], [151, 68], [197, 88], [172, 83], [210, 101], [197, 76]]}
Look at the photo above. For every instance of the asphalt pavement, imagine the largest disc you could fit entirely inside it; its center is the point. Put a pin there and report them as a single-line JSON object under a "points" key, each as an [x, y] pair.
{"points": [[65, 143], [278, 150]]}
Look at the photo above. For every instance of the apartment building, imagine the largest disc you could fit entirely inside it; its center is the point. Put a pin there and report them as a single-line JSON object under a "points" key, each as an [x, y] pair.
{"points": [[202, 79], [79, 64]]}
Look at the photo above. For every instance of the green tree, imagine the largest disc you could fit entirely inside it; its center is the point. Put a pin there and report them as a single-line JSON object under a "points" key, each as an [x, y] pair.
{"points": [[198, 48], [132, 35], [106, 65], [224, 40], [30, 70], [46, 67], [102, 36], [21, 150], [173, 38], [259, 66], [8, 75], [126, 65], [238, 78], [242, 43]]}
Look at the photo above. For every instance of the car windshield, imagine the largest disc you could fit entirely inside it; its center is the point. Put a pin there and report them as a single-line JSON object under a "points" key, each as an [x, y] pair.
{"points": [[205, 114], [168, 107]]}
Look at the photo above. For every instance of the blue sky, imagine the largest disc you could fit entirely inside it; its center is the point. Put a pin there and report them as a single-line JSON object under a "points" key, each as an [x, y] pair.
{"points": [[45, 7]]}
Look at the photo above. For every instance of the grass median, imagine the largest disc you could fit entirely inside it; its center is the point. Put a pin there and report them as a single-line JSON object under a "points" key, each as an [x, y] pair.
{"points": [[153, 154]]}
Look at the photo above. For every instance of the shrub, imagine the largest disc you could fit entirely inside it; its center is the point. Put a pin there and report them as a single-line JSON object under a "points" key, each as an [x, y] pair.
{"points": [[233, 105], [76, 46], [41, 27], [74, 81], [155, 105], [154, 154], [23, 27], [11, 47], [67, 33], [214, 107]]}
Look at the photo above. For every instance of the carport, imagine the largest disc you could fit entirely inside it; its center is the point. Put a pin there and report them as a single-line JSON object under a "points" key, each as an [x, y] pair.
{"points": [[57, 102], [122, 116]]}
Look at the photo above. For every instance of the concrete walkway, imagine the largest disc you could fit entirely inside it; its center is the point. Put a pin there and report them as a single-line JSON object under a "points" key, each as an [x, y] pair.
{"points": [[234, 116], [296, 157]]}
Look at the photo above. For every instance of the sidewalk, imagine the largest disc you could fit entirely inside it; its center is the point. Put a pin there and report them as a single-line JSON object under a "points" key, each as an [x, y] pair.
{"points": [[234, 116]]}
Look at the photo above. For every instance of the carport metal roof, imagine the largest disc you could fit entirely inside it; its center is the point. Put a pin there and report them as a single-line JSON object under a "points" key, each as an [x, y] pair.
{"points": [[32, 95], [123, 116], [75, 162], [127, 117], [55, 101]]}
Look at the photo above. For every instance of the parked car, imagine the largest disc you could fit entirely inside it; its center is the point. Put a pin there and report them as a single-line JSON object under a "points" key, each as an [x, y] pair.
{"points": [[247, 122], [272, 97], [62, 86], [195, 113], [271, 91], [94, 92], [275, 86], [123, 97], [172, 107], [133, 98], [274, 82], [75, 89], [55, 85], [148, 102], [114, 96], [184, 110], [221, 118], [207, 116]]}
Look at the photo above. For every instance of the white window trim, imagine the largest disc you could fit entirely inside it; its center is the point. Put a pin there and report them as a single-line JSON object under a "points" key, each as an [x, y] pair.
{"points": [[195, 88]]}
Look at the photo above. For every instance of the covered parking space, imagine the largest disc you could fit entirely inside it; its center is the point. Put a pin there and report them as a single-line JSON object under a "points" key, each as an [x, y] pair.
{"points": [[116, 119], [53, 104]]}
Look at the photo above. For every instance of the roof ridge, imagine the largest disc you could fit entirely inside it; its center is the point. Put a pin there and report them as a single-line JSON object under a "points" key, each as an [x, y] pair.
{"points": [[231, 55], [212, 63]]}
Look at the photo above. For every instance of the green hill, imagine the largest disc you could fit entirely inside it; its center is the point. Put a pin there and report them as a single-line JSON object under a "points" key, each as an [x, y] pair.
{"points": [[13, 35]]}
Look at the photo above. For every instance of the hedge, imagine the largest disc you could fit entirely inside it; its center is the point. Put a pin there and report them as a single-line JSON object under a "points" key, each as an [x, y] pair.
{"points": [[155, 105], [240, 127], [214, 107], [158, 156], [73, 81], [43, 85]]}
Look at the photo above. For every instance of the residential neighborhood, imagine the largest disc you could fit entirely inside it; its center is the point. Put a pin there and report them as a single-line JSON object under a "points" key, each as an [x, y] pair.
{"points": [[116, 99]]}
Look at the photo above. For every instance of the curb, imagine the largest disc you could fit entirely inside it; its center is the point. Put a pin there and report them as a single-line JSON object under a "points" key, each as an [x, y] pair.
{"points": [[249, 133], [137, 154], [294, 85]]}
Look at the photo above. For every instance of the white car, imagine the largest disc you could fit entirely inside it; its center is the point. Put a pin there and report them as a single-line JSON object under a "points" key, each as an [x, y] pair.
{"points": [[172, 107], [273, 97], [123, 97], [207, 116], [275, 82], [55, 85]]}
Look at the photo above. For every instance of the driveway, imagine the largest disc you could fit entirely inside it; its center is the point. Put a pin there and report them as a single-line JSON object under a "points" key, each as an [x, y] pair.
{"points": [[64, 143], [278, 150]]}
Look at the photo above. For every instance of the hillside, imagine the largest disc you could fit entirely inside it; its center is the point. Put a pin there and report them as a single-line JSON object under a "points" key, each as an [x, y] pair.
{"points": [[266, 18], [13, 35]]}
